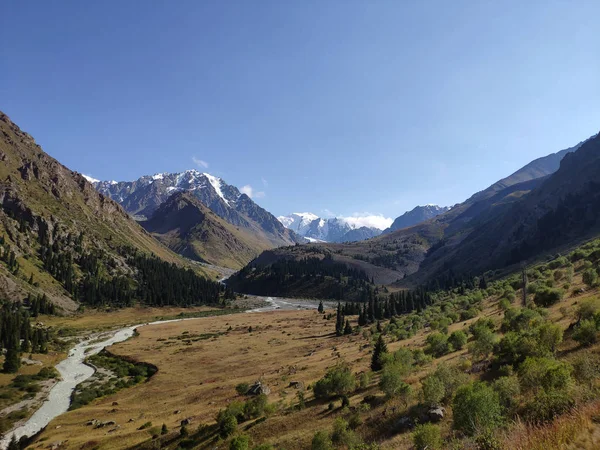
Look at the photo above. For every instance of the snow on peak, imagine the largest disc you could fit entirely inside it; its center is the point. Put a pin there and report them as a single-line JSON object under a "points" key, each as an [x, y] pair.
{"points": [[158, 176], [216, 184], [90, 179]]}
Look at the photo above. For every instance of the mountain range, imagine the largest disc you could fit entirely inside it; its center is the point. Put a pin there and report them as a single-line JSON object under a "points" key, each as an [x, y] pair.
{"points": [[549, 204], [337, 229], [155, 198], [58, 235], [340, 229]]}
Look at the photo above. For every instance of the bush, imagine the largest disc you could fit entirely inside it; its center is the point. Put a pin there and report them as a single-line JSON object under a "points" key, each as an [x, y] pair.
{"points": [[544, 374], [337, 382], [590, 277], [508, 390], [427, 437], [241, 442], [545, 406], [437, 344], [391, 381], [227, 424], [256, 407], [321, 441], [504, 304], [586, 333], [458, 339], [547, 297], [433, 391], [483, 344], [364, 380], [242, 388], [342, 435], [476, 408]]}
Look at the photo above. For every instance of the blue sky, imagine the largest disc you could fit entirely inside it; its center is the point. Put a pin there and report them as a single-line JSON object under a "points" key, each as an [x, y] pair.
{"points": [[342, 106]]}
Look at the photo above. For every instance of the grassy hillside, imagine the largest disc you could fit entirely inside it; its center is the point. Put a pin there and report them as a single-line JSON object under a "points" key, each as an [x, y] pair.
{"points": [[59, 229], [189, 228], [482, 367]]}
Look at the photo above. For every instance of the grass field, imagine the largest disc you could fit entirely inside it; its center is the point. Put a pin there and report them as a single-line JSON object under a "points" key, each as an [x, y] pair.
{"points": [[201, 361]]}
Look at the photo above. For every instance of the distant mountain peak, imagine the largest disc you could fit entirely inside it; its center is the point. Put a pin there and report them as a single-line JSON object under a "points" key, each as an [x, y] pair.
{"points": [[318, 229], [417, 215]]}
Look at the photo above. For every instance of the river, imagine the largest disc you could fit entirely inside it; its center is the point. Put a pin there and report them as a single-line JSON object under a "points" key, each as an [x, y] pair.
{"points": [[73, 370]]}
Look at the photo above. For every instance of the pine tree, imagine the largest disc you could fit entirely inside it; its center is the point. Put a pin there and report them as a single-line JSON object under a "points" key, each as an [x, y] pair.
{"points": [[12, 361], [339, 321], [13, 444], [321, 308], [347, 328], [378, 353]]}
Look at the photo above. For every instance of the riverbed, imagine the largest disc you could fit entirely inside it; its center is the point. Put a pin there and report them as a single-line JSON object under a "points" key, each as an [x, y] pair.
{"points": [[74, 371]]}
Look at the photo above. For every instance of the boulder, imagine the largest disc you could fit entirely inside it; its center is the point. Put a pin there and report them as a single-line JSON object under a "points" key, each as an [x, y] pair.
{"points": [[258, 388], [436, 414]]}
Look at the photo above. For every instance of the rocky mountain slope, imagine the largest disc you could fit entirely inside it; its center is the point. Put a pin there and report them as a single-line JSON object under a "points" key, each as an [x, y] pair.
{"points": [[57, 233], [335, 229], [415, 216], [189, 228], [548, 204], [142, 197]]}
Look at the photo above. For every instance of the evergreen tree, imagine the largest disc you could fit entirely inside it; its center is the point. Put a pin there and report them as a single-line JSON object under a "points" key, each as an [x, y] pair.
{"points": [[321, 308], [347, 328], [12, 361], [13, 444], [339, 321], [378, 353]]}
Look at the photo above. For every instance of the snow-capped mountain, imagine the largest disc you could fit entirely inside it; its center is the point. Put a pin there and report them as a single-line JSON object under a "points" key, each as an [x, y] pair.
{"points": [[142, 197], [417, 215], [316, 229]]}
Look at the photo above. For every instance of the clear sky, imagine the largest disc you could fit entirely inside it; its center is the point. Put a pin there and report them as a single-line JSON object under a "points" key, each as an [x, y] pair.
{"points": [[346, 106]]}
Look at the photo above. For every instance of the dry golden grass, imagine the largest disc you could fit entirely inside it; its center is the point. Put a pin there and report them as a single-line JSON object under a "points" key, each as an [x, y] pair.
{"points": [[199, 378], [95, 320]]}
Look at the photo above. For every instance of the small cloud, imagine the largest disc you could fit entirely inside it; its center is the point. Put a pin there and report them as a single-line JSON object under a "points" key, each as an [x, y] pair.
{"points": [[250, 192], [366, 219], [200, 163], [265, 182]]}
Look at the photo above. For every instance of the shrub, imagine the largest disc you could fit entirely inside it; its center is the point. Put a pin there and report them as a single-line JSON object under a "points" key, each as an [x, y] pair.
{"points": [[321, 441], [242, 388], [504, 304], [483, 344], [476, 408], [427, 437], [590, 277], [437, 344], [546, 405], [433, 390], [227, 424], [342, 435], [508, 390], [391, 381], [241, 442], [586, 333], [458, 339], [337, 382], [364, 380], [256, 407], [547, 297], [545, 373], [587, 309]]}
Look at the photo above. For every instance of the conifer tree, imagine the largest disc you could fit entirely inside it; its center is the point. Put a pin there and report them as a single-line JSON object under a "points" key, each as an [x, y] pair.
{"points": [[321, 308], [339, 321], [12, 361], [378, 353], [348, 327]]}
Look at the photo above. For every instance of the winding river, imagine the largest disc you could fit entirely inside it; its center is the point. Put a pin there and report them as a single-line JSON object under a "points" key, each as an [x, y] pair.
{"points": [[73, 370]]}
